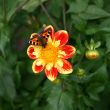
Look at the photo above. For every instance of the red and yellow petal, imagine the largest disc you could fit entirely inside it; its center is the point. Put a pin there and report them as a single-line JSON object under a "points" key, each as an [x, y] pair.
{"points": [[51, 73], [63, 66], [38, 66], [66, 51], [33, 52], [61, 36]]}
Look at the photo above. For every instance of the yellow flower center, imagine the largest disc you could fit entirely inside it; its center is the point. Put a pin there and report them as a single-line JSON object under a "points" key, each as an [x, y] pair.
{"points": [[49, 54]]}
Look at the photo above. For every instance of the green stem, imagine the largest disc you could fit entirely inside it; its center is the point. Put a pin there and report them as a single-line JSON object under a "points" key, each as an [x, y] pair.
{"points": [[78, 40], [59, 100], [49, 17], [21, 5], [64, 15], [62, 89], [12, 104], [4, 10]]}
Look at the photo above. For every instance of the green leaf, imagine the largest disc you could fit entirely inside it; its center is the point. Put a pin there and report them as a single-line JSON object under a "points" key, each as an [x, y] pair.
{"points": [[32, 5], [58, 99], [107, 5], [94, 97], [34, 104], [102, 74], [2, 11], [91, 30], [56, 6], [79, 23], [1, 24], [97, 84], [97, 44], [105, 29], [87, 45], [99, 3], [4, 39], [32, 81], [48, 87], [8, 8], [7, 87], [88, 101], [96, 88], [78, 6], [94, 12], [4, 66], [17, 76], [12, 6], [105, 25], [107, 38]]}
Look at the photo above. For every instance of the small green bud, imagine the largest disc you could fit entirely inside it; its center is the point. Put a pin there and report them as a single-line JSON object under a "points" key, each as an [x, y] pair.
{"points": [[92, 54]]}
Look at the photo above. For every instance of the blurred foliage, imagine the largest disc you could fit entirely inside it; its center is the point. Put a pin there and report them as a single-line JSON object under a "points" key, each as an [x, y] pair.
{"points": [[21, 89]]}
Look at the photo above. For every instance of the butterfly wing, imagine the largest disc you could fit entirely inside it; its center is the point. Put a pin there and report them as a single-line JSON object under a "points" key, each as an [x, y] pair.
{"points": [[46, 34], [42, 38], [34, 39]]}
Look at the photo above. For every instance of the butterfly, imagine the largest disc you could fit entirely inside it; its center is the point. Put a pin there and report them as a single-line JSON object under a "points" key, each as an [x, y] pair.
{"points": [[40, 39]]}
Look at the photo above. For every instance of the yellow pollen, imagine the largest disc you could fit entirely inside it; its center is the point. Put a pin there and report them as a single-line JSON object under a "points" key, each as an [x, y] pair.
{"points": [[49, 54]]}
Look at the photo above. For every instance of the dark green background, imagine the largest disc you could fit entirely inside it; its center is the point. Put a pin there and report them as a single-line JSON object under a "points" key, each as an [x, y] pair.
{"points": [[21, 89]]}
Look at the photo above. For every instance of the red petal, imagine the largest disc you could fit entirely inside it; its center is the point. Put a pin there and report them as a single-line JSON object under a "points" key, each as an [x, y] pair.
{"points": [[67, 51], [36, 67], [33, 52], [51, 74], [66, 67], [61, 36], [30, 51]]}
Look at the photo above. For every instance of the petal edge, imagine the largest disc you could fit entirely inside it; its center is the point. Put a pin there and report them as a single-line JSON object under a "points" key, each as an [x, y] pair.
{"points": [[51, 74], [30, 52], [67, 51], [38, 66], [66, 68], [61, 36]]}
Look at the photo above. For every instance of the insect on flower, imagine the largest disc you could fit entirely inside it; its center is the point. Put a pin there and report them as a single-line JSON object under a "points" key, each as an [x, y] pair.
{"points": [[40, 39], [50, 52]]}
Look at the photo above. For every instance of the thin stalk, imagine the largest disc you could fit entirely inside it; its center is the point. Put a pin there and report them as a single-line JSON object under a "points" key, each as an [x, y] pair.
{"points": [[4, 10], [49, 17], [62, 89], [64, 15], [59, 100], [12, 104], [78, 40], [21, 5]]}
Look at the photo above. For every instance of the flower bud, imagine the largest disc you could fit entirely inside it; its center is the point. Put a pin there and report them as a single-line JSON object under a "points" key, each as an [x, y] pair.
{"points": [[92, 54], [80, 72]]}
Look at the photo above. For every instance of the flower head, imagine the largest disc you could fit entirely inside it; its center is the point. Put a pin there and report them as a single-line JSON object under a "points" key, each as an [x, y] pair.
{"points": [[52, 57], [92, 52]]}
